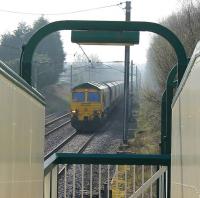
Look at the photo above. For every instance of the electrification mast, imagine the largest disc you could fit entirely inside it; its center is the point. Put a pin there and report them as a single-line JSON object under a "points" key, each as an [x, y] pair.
{"points": [[126, 79]]}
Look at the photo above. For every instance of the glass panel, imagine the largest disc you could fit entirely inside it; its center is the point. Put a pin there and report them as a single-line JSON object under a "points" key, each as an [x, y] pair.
{"points": [[78, 96], [93, 97]]}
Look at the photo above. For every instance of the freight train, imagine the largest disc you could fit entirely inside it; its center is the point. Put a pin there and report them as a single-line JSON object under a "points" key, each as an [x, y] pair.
{"points": [[92, 102]]}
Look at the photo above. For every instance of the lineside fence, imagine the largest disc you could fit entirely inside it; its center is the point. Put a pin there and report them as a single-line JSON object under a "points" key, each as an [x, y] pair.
{"points": [[106, 175]]}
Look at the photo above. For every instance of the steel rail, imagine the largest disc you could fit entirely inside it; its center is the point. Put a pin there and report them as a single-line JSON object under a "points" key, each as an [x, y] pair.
{"points": [[56, 128], [56, 119], [60, 145], [48, 116], [79, 151]]}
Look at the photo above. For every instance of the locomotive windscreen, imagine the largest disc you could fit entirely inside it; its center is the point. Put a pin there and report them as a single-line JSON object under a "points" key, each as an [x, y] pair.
{"points": [[93, 97], [78, 96]]}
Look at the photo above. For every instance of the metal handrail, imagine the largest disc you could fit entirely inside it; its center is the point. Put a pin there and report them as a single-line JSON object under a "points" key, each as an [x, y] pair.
{"points": [[117, 186], [111, 159], [149, 182]]}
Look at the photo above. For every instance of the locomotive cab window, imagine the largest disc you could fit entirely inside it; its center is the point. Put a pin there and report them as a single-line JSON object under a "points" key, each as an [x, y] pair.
{"points": [[78, 96], [93, 97]]}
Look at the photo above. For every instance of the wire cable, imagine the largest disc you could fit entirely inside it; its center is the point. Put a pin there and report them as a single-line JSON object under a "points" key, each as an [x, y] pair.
{"points": [[89, 60], [113, 68], [64, 13]]}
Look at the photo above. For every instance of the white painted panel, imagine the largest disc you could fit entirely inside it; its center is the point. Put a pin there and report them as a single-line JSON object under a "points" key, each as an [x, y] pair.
{"points": [[21, 142], [186, 144]]}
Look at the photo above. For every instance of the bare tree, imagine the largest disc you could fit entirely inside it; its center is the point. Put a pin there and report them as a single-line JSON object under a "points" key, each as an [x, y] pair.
{"points": [[161, 57]]}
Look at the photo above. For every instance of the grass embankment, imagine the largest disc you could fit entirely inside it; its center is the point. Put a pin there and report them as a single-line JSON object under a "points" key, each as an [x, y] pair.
{"points": [[144, 139], [145, 142], [57, 98], [147, 133]]}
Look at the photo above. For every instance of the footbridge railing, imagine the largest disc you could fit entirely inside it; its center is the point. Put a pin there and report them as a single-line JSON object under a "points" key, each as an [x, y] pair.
{"points": [[106, 175]]}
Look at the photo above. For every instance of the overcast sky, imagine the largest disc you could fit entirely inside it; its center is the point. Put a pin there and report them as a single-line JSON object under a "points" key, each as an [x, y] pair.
{"points": [[142, 10]]}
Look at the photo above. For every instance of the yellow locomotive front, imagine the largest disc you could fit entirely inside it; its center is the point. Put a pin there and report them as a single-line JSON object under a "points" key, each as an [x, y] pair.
{"points": [[86, 108]]}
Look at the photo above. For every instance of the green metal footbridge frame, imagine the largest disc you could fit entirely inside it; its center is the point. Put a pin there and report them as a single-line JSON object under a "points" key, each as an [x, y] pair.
{"points": [[177, 71]]}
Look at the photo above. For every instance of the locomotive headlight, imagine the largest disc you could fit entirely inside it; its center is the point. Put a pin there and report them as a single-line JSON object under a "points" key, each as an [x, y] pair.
{"points": [[75, 111]]}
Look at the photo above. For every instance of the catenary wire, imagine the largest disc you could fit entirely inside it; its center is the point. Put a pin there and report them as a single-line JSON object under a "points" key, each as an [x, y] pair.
{"points": [[64, 13]]}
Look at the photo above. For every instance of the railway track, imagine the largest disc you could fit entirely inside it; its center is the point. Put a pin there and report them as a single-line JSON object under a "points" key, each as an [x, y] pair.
{"points": [[67, 140], [49, 116], [80, 150], [52, 116], [56, 119], [59, 146], [52, 122]]}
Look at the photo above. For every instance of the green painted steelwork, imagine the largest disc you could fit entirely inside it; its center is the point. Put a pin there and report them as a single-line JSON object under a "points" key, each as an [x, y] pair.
{"points": [[168, 117], [18, 81], [169, 97], [175, 83], [163, 123], [105, 37], [191, 62], [26, 57], [111, 159], [170, 86]]}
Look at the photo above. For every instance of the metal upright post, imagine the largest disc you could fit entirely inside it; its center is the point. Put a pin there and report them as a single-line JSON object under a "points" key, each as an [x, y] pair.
{"points": [[126, 79], [136, 74], [131, 103], [71, 77]]}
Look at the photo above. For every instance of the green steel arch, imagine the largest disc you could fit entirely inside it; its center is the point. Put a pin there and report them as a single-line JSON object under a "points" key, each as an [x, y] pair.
{"points": [[28, 49]]}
